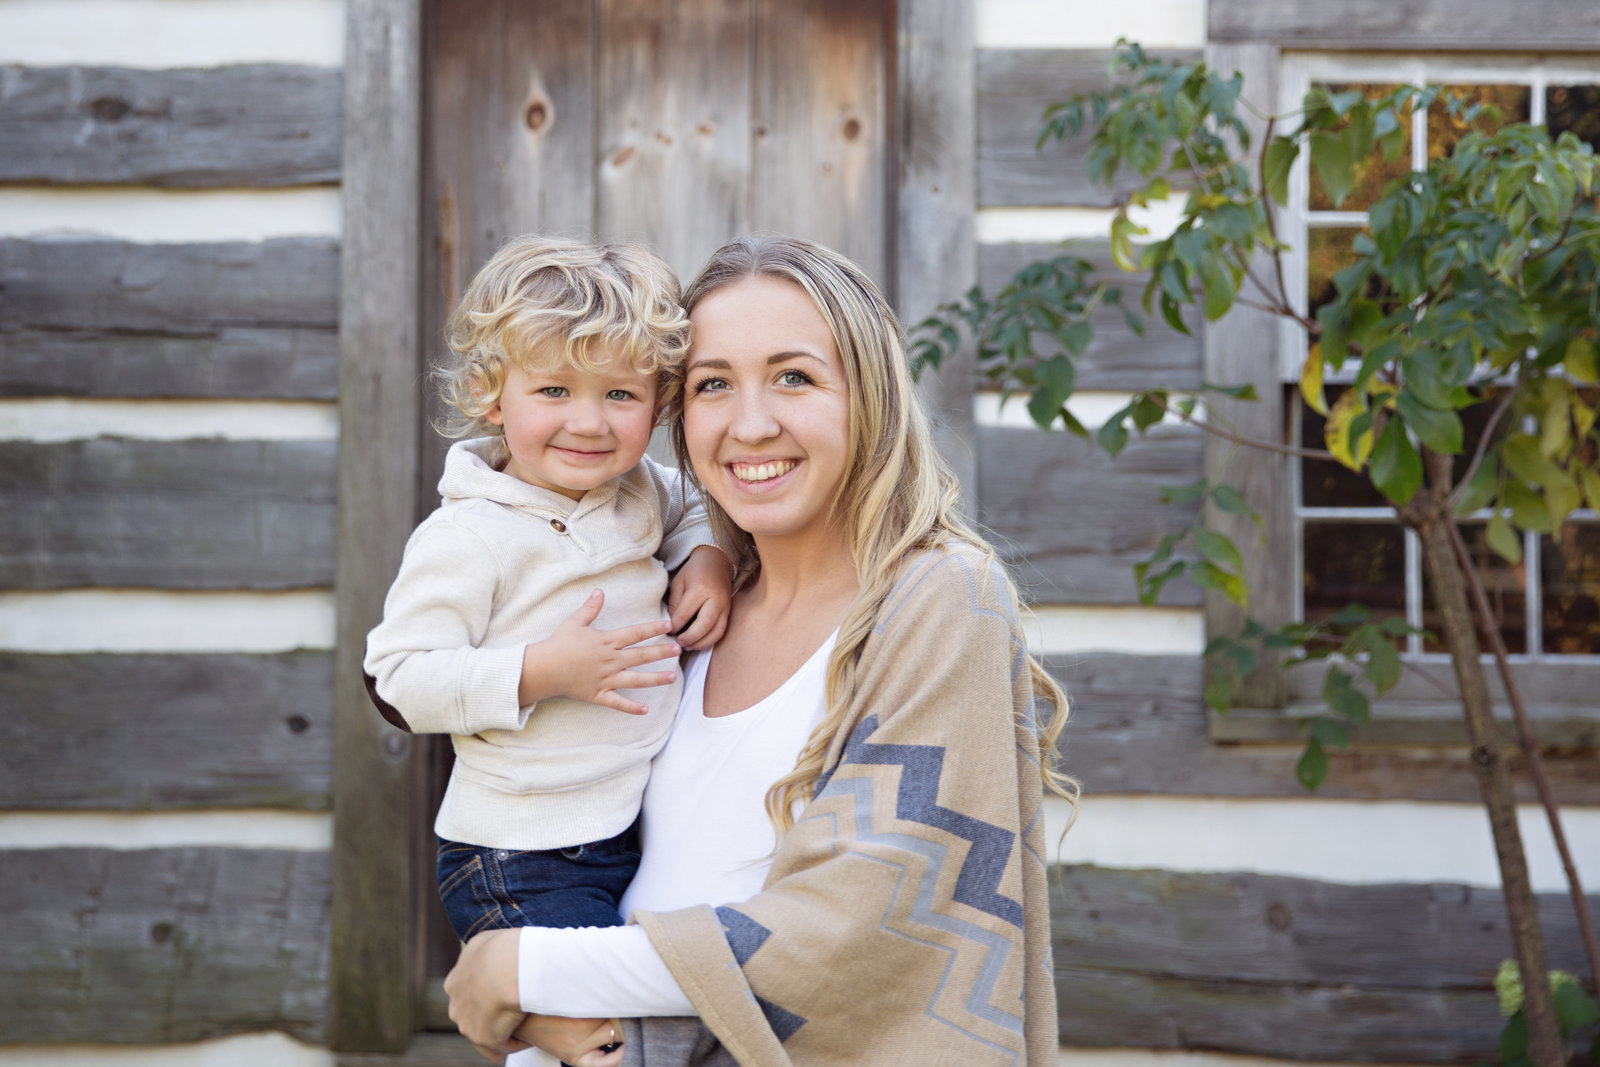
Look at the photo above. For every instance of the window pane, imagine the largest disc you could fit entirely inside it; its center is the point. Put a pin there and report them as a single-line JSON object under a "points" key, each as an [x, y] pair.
{"points": [[1329, 250], [1324, 483], [1575, 108], [1353, 563], [1445, 130], [1571, 585], [1372, 173], [1505, 586]]}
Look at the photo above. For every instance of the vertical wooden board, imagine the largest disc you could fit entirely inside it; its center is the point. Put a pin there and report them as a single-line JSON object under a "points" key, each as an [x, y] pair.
{"points": [[162, 945], [1242, 348], [822, 134], [674, 114], [509, 149], [935, 256], [370, 997]]}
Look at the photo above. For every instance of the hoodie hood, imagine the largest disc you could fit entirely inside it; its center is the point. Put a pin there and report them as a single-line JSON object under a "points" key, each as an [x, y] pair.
{"points": [[471, 472]]}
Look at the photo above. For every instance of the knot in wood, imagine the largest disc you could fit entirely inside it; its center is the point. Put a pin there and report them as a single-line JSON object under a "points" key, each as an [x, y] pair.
{"points": [[852, 129], [1482, 756], [622, 157], [536, 116], [1279, 917], [161, 933], [298, 724], [109, 108]]}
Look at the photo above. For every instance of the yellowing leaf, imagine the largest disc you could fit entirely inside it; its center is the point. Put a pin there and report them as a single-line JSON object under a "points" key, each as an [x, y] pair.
{"points": [[1311, 381], [1582, 418], [1561, 499], [1352, 454], [1582, 361], [1590, 481], [1504, 540]]}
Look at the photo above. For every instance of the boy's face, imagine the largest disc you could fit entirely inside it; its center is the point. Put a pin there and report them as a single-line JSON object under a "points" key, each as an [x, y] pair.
{"points": [[570, 430]]}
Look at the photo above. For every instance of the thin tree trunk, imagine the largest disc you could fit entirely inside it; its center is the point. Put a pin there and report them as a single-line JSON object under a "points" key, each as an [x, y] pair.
{"points": [[1432, 519], [1490, 627]]}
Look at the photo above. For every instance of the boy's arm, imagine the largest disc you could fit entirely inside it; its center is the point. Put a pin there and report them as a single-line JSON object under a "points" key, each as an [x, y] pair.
{"points": [[684, 525], [424, 659]]}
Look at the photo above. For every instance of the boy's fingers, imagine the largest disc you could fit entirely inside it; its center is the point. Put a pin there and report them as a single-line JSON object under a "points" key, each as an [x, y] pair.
{"points": [[638, 655], [609, 699], [589, 610], [694, 634], [624, 636], [641, 680]]}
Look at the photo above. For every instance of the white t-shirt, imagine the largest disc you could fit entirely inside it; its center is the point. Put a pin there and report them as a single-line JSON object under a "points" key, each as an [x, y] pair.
{"points": [[707, 840]]}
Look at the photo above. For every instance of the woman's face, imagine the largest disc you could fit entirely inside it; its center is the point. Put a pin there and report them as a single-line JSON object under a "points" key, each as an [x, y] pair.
{"points": [[767, 408]]}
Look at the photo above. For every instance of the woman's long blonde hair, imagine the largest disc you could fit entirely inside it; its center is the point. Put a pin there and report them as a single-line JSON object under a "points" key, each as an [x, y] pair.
{"points": [[901, 496]]}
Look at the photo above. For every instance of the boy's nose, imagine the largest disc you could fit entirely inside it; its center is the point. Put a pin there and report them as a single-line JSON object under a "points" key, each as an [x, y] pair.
{"points": [[587, 419]]}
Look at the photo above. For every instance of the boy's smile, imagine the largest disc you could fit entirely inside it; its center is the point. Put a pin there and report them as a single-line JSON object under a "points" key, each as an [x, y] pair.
{"points": [[569, 430]]}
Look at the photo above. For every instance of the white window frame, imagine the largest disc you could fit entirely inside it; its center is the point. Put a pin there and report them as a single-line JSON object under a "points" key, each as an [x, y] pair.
{"points": [[1299, 71]]}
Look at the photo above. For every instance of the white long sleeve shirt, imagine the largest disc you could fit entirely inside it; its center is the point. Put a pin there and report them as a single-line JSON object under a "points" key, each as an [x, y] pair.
{"points": [[707, 840]]}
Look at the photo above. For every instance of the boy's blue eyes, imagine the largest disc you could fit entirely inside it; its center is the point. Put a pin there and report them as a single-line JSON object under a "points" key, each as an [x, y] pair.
{"points": [[556, 392]]}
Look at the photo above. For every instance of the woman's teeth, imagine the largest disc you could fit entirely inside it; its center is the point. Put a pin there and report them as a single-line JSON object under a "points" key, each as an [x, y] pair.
{"points": [[762, 472]]}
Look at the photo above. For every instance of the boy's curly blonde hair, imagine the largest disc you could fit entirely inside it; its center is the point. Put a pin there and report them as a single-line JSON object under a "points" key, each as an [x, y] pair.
{"points": [[543, 301]]}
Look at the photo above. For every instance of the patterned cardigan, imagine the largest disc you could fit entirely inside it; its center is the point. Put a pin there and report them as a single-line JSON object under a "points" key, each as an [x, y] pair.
{"points": [[905, 920]]}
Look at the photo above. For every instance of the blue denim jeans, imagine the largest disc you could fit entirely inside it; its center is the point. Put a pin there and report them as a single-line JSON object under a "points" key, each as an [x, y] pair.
{"points": [[490, 889]]}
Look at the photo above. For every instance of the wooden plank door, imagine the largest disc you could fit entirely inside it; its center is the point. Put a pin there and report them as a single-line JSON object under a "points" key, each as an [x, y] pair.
{"points": [[682, 125]]}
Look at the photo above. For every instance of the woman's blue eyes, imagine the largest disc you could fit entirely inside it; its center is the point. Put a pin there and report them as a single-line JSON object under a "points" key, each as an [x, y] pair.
{"points": [[791, 378]]}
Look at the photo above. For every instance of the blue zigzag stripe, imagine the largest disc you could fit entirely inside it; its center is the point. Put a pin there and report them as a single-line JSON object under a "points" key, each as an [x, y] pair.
{"points": [[921, 768], [745, 938]]}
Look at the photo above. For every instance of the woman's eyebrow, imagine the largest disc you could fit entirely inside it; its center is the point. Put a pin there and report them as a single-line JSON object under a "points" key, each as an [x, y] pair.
{"points": [[776, 357]]}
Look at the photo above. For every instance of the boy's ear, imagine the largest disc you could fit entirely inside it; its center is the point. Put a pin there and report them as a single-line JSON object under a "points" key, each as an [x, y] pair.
{"points": [[497, 417]]}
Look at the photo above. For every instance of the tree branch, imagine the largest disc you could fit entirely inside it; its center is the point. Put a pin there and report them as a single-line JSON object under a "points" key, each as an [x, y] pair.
{"points": [[1483, 445], [1248, 442], [1490, 626]]}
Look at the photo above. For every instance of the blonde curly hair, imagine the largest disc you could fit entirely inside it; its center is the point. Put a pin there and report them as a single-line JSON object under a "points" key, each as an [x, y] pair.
{"points": [[546, 301]]}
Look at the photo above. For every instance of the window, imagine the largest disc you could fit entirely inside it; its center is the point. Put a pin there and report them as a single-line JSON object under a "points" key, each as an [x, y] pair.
{"points": [[1346, 543]]}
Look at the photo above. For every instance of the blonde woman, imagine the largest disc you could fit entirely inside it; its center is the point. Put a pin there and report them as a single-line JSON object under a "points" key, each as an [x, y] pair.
{"points": [[843, 849]]}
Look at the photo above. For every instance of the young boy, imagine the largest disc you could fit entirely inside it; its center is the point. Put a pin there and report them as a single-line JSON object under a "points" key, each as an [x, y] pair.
{"points": [[527, 618]]}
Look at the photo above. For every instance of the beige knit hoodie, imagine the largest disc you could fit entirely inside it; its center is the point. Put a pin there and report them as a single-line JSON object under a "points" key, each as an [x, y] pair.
{"points": [[498, 566]]}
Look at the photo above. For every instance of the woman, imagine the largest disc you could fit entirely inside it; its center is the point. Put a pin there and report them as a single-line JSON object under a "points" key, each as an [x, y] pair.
{"points": [[874, 669]]}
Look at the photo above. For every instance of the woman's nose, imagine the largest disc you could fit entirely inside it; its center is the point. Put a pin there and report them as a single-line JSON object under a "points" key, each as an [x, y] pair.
{"points": [[753, 421]]}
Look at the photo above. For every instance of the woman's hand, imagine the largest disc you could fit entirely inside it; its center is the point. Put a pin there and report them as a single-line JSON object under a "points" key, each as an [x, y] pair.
{"points": [[482, 988], [575, 1041]]}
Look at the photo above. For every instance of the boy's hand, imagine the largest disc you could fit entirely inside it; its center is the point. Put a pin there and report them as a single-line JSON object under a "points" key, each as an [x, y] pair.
{"points": [[583, 663], [699, 596]]}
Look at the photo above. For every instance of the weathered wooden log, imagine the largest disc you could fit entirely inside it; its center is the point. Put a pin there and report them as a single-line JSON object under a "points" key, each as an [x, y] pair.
{"points": [[162, 945], [191, 514], [257, 125], [154, 732]]}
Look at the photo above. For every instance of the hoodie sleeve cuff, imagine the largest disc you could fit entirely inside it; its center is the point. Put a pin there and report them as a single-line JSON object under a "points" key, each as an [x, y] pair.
{"points": [[489, 680]]}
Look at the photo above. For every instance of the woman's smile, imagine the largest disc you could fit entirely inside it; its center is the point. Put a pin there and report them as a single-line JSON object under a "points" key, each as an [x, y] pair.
{"points": [[762, 471]]}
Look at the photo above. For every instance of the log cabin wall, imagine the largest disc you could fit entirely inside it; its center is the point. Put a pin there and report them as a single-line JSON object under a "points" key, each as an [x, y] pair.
{"points": [[170, 303]]}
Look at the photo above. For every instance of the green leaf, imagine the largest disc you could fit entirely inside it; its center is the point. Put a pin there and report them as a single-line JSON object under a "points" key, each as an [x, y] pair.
{"points": [[1331, 733], [1330, 157], [1076, 337], [1209, 576], [1150, 587], [1438, 430], [1383, 665], [1582, 361], [1481, 489], [1218, 549], [1277, 160], [1113, 436], [1396, 467], [1183, 494], [1528, 509], [1043, 407], [1574, 1007], [1233, 502], [1219, 287], [1504, 540], [1219, 694], [1312, 770], [1589, 480]]}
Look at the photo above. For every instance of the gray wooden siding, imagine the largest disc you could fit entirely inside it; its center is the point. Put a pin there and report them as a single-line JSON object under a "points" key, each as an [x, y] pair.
{"points": [[265, 125], [165, 732], [1014, 88], [1409, 25], [90, 317], [153, 946], [1276, 966], [162, 945], [1139, 725], [193, 514]]}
